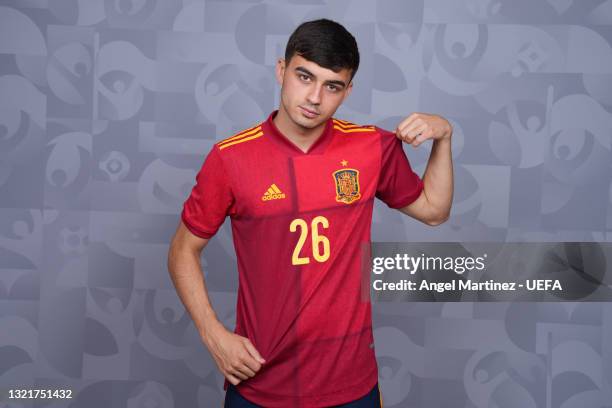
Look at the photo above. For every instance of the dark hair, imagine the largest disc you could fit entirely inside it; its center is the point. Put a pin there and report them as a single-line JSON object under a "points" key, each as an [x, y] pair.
{"points": [[326, 43]]}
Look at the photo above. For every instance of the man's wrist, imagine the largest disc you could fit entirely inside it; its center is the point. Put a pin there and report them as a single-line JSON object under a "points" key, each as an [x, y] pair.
{"points": [[208, 330], [446, 133], [444, 141]]}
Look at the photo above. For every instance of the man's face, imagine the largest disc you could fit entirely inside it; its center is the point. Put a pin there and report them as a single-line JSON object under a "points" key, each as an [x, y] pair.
{"points": [[310, 94]]}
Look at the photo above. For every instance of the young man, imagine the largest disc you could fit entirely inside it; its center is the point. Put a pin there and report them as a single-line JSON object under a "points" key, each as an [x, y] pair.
{"points": [[299, 189]]}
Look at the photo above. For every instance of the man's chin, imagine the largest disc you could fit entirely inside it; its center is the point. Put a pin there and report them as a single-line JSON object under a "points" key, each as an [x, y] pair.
{"points": [[310, 123]]}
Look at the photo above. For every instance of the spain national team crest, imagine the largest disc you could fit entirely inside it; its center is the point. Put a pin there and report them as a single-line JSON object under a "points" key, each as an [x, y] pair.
{"points": [[347, 185]]}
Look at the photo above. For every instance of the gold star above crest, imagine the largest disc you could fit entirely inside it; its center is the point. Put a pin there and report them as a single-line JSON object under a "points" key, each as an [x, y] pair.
{"points": [[344, 162]]}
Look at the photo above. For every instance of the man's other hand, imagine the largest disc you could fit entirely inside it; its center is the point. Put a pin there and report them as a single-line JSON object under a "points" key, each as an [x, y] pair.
{"points": [[235, 355]]}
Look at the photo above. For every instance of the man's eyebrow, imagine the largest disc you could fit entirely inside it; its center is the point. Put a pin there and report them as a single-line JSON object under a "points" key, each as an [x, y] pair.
{"points": [[331, 81]]}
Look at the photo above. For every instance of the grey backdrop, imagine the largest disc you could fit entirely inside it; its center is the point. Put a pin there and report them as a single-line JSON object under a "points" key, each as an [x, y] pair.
{"points": [[106, 110]]}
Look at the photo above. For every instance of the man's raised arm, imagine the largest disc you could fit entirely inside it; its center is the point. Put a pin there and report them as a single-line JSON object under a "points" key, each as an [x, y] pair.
{"points": [[434, 204]]}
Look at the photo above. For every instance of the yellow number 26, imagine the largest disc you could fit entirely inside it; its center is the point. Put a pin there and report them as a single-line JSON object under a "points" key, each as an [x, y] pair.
{"points": [[319, 256]]}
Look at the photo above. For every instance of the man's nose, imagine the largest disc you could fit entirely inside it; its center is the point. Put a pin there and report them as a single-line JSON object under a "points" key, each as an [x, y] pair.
{"points": [[314, 95]]}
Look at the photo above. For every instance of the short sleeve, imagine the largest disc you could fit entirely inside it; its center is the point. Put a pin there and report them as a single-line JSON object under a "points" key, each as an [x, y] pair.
{"points": [[398, 185], [211, 198]]}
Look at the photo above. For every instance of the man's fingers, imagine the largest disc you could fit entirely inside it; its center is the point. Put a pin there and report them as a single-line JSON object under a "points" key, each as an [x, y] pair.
{"points": [[410, 133], [417, 140], [407, 121], [248, 372], [237, 372], [245, 369], [252, 364], [253, 351], [232, 379]]}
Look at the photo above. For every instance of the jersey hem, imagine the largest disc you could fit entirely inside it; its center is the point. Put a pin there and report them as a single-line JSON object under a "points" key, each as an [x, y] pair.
{"points": [[344, 396]]}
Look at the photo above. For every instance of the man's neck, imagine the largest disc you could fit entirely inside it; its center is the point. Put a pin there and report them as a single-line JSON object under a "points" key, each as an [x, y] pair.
{"points": [[300, 136]]}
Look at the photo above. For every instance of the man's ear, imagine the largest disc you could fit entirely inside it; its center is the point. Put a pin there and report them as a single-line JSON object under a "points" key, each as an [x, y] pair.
{"points": [[280, 71]]}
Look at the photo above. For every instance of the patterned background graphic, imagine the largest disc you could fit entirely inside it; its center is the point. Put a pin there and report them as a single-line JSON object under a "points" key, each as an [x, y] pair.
{"points": [[108, 106]]}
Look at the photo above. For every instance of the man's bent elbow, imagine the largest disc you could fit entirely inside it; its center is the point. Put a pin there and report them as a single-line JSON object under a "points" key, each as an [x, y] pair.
{"points": [[434, 222]]}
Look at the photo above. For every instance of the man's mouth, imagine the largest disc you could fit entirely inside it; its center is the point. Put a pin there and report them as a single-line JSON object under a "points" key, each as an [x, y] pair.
{"points": [[309, 112]]}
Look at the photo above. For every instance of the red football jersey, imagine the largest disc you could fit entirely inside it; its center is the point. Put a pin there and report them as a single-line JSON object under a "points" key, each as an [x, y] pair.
{"points": [[299, 221]]}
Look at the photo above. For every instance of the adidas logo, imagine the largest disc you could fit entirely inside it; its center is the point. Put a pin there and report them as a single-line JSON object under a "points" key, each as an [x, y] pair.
{"points": [[273, 193]]}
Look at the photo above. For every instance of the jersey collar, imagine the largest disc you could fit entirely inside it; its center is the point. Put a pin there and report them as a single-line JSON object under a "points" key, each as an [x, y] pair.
{"points": [[288, 146]]}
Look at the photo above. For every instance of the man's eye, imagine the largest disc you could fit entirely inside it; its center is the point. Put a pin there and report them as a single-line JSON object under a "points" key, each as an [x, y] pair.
{"points": [[333, 88], [304, 77]]}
